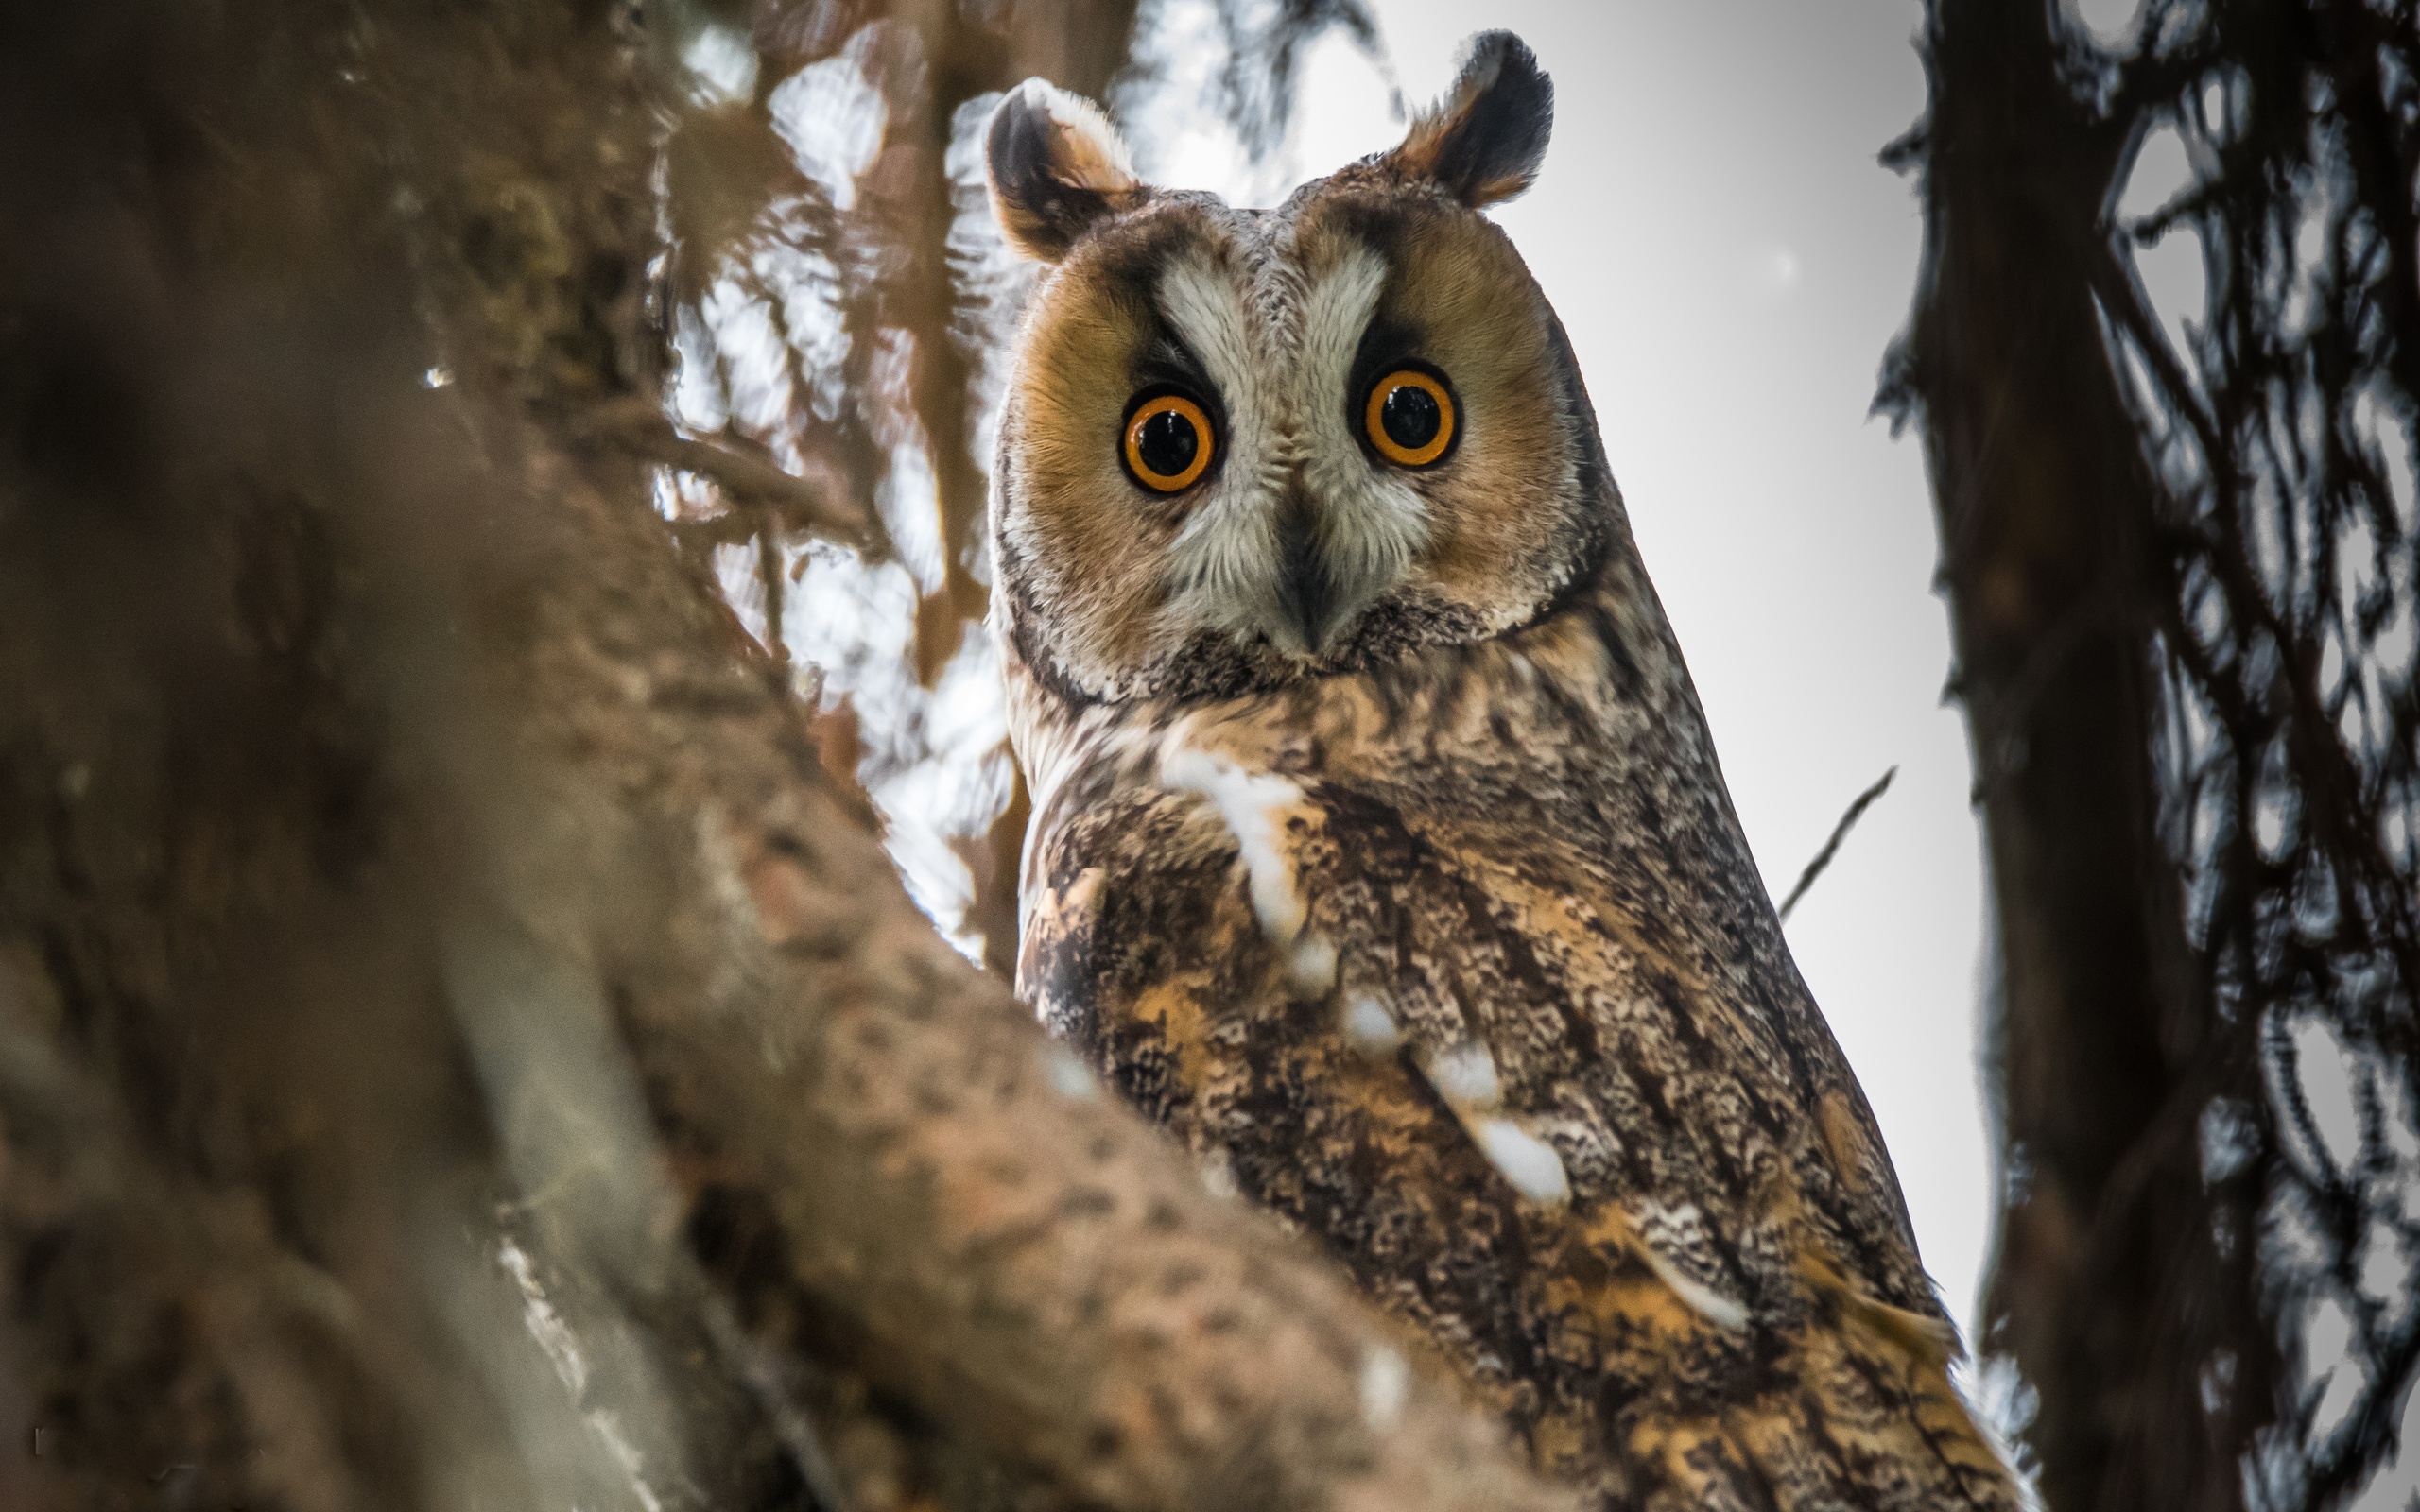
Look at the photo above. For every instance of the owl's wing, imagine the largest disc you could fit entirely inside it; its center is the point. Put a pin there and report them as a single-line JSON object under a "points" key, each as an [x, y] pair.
{"points": [[1621, 1175]]}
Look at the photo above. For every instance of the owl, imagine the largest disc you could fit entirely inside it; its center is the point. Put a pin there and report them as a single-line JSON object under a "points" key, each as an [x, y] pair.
{"points": [[1378, 850]]}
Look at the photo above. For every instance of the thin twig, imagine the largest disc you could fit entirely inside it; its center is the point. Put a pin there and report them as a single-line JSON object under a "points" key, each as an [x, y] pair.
{"points": [[758, 484], [745, 473], [1832, 846], [770, 579]]}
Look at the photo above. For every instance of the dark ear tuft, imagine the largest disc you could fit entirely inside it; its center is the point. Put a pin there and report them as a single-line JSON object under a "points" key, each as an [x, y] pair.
{"points": [[1484, 139], [1056, 166]]}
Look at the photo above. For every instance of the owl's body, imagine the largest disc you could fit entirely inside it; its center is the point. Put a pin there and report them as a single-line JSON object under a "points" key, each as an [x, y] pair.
{"points": [[1378, 850]]}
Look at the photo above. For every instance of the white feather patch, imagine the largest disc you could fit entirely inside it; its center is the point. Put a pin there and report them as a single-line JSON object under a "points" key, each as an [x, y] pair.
{"points": [[1528, 1162], [1370, 1028], [1371, 521], [1312, 965], [1225, 559], [1717, 1309], [1255, 806], [1465, 1076]]}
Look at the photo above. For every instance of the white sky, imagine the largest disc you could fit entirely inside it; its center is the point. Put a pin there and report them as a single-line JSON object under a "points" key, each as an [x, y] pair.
{"points": [[1730, 261]]}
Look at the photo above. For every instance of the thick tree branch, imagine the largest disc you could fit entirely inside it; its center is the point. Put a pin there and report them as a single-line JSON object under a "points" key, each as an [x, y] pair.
{"points": [[456, 1046]]}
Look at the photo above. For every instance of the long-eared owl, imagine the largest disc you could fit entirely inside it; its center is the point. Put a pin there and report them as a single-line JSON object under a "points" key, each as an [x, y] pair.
{"points": [[1378, 849]]}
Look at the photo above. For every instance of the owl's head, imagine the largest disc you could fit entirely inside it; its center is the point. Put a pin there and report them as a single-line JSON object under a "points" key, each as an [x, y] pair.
{"points": [[1243, 447]]}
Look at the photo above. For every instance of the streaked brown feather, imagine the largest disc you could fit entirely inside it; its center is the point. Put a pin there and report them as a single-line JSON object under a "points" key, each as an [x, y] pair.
{"points": [[1443, 940]]}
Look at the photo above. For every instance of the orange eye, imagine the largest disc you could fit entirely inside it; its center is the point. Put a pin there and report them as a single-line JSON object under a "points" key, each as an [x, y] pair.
{"points": [[1168, 443], [1410, 418]]}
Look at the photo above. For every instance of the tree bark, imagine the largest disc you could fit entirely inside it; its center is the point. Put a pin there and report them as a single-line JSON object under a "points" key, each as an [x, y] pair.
{"points": [[455, 1048], [2107, 1288]]}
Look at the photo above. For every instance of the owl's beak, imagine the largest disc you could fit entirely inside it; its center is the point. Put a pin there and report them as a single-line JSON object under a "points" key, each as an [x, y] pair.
{"points": [[1306, 589]]}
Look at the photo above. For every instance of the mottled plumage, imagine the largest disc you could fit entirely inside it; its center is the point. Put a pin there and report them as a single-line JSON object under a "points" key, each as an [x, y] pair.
{"points": [[1378, 850]]}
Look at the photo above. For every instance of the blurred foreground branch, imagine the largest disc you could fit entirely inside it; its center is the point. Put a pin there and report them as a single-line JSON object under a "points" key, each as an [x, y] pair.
{"points": [[455, 1047]]}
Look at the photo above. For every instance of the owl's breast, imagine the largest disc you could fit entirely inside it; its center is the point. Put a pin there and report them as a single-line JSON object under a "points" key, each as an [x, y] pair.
{"points": [[1473, 981]]}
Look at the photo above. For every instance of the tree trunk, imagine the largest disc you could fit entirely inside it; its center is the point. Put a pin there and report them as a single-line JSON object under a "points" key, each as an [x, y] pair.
{"points": [[2107, 1289]]}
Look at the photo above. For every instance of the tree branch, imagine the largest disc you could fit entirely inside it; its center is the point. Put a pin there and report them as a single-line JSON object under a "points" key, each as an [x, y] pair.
{"points": [[449, 928], [1832, 847]]}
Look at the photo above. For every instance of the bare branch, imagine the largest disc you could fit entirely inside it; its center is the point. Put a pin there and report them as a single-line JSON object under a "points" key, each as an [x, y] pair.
{"points": [[743, 471], [1831, 847]]}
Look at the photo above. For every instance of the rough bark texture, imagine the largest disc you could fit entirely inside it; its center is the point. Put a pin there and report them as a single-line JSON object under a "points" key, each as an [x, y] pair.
{"points": [[2044, 511], [455, 1047]]}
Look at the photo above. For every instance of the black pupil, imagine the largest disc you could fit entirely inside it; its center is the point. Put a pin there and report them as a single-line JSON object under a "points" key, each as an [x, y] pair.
{"points": [[1410, 416], [1168, 444]]}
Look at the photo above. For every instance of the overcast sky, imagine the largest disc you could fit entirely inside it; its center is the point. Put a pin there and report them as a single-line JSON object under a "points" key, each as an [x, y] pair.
{"points": [[1731, 262]]}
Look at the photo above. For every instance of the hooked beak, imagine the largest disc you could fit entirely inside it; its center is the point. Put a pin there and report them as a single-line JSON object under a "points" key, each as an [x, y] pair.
{"points": [[1305, 592]]}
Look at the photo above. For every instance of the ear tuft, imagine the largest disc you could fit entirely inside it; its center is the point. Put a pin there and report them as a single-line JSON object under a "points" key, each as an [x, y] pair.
{"points": [[1484, 139], [1056, 166]]}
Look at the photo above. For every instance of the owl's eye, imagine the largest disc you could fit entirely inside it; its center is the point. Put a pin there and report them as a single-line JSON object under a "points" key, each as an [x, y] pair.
{"points": [[1410, 418], [1168, 443]]}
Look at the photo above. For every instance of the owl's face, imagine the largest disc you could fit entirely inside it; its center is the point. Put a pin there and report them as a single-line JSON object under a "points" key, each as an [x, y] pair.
{"points": [[1243, 447]]}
